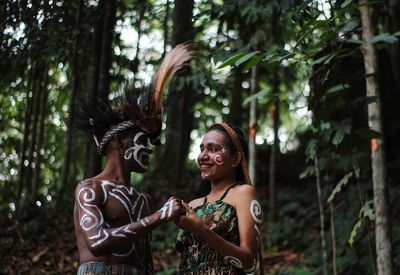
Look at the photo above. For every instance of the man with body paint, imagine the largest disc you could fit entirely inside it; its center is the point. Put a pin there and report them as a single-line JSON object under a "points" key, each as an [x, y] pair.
{"points": [[113, 220]]}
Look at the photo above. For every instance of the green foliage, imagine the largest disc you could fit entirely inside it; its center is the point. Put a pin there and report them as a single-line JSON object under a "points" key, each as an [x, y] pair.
{"points": [[339, 186], [238, 59], [366, 211]]}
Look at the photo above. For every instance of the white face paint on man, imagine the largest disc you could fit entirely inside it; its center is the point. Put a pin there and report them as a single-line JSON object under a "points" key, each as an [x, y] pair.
{"points": [[138, 151]]}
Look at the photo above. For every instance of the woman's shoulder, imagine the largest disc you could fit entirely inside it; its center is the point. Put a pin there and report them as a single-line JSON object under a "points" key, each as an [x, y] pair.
{"points": [[245, 189], [243, 192]]}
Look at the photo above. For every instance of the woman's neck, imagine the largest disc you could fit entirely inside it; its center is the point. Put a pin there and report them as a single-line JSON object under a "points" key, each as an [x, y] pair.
{"points": [[218, 187]]}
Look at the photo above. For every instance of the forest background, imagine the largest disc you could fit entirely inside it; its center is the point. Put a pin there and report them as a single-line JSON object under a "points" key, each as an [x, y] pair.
{"points": [[295, 75]]}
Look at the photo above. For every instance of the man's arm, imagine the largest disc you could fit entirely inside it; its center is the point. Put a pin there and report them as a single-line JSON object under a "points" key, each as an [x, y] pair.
{"points": [[98, 237]]}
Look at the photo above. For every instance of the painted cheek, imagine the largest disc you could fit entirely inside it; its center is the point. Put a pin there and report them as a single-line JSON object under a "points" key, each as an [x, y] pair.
{"points": [[218, 159]]}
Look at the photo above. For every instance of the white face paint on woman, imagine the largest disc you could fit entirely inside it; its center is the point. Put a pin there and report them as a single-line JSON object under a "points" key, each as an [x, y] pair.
{"points": [[139, 150]]}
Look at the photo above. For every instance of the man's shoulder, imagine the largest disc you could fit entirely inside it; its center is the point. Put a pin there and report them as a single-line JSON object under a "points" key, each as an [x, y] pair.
{"points": [[89, 184]]}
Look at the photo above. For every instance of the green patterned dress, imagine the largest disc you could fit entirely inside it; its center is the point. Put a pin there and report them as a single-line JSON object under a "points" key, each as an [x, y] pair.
{"points": [[197, 257]]}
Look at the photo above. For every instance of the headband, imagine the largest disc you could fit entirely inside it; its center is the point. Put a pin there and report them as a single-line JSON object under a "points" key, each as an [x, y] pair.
{"points": [[239, 148], [111, 133]]}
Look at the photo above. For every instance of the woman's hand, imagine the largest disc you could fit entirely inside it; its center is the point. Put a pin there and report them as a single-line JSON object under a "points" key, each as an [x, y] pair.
{"points": [[191, 222]]}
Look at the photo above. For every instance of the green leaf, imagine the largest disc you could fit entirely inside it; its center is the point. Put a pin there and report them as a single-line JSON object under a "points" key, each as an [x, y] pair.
{"points": [[354, 231], [397, 33], [370, 3], [310, 170], [368, 210], [245, 58], [384, 37], [357, 172], [339, 135], [322, 59], [254, 61], [349, 26], [325, 126], [339, 87], [339, 186], [367, 133], [311, 148], [231, 60], [346, 3], [258, 95], [354, 41]]}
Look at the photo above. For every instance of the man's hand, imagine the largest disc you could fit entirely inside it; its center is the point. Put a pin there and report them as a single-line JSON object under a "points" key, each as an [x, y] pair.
{"points": [[171, 210], [191, 222]]}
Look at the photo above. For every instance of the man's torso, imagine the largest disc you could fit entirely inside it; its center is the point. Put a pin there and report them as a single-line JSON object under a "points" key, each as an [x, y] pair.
{"points": [[120, 206]]}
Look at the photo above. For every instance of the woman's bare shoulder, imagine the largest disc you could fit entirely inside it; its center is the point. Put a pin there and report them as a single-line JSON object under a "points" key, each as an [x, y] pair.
{"points": [[245, 189]]}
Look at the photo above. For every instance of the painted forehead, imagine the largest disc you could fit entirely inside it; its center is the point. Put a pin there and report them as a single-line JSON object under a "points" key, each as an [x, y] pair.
{"points": [[136, 132], [215, 137]]}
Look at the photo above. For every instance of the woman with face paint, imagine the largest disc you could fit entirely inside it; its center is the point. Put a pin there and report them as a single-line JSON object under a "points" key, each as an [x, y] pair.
{"points": [[221, 232]]}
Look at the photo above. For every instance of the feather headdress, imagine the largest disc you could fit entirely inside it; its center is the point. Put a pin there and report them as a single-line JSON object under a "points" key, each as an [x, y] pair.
{"points": [[140, 108], [151, 121]]}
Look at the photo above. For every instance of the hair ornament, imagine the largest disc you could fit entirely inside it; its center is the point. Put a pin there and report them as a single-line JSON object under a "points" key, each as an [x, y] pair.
{"points": [[91, 122]]}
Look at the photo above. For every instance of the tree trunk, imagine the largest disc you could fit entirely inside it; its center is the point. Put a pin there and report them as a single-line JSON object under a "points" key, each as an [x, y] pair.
{"points": [[378, 159], [331, 210], [252, 127], [38, 158], [179, 104], [25, 142], [274, 148], [393, 25], [90, 148], [72, 107], [235, 116], [165, 28], [321, 216], [136, 61], [33, 141], [107, 48], [3, 19], [100, 73]]}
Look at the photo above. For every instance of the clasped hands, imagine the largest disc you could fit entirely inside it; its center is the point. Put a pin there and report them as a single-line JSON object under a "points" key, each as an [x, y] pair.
{"points": [[185, 217]]}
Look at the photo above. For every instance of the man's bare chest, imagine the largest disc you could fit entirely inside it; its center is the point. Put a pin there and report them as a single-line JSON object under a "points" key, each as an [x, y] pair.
{"points": [[123, 204]]}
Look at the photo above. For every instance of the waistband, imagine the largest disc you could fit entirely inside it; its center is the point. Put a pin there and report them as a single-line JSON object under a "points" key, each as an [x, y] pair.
{"points": [[97, 268]]}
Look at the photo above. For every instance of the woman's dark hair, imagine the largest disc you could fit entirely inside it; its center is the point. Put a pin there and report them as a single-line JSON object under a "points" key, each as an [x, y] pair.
{"points": [[239, 174]]}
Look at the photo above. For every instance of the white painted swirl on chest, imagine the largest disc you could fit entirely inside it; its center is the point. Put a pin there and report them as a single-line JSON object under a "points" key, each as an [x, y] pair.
{"points": [[88, 220]]}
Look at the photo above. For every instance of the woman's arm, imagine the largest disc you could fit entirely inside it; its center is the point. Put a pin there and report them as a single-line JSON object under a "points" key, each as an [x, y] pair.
{"points": [[249, 219]]}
